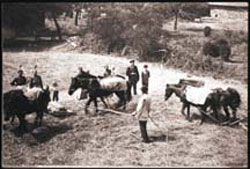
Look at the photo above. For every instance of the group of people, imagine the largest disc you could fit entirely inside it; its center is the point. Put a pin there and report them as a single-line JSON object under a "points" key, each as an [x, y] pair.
{"points": [[35, 81], [132, 74], [143, 106]]}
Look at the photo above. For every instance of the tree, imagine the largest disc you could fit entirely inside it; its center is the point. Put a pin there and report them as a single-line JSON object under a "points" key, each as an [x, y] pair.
{"points": [[187, 11], [29, 17]]}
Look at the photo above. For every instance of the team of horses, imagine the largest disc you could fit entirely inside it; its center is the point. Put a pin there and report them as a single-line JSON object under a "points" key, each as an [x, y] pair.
{"points": [[214, 100], [17, 104]]}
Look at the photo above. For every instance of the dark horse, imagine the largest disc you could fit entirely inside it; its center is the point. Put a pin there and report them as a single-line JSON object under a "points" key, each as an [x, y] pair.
{"points": [[16, 103], [214, 100], [91, 83]]}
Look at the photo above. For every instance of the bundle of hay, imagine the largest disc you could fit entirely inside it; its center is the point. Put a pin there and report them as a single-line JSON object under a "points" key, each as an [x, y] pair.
{"points": [[216, 48]]}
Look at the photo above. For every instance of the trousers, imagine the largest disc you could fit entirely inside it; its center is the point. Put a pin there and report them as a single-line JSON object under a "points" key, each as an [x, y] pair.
{"points": [[133, 85], [143, 128]]}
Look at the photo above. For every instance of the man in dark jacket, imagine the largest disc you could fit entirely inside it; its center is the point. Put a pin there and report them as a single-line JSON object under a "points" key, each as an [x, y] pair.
{"points": [[36, 81], [20, 80], [133, 75]]}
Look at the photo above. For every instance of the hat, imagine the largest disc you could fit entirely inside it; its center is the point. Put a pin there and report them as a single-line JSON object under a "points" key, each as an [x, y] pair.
{"points": [[20, 71], [145, 66], [132, 61]]}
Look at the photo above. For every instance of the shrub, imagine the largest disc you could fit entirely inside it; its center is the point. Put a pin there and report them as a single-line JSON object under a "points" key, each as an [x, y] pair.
{"points": [[217, 48]]}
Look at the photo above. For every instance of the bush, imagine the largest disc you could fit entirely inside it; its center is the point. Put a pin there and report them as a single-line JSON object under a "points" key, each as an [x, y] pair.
{"points": [[217, 48], [140, 29]]}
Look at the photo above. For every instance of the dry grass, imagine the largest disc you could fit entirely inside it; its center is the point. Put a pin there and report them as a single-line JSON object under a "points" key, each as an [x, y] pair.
{"points": [[111, 140]]}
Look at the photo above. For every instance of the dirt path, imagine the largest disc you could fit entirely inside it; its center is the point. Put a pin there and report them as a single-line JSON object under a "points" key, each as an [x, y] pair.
{"points": [[108, 137]]}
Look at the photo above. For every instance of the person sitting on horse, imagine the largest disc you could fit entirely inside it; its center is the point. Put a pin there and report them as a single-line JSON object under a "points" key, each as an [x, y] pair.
{"points": [[36, 81], [20, 80], [81, 72]]}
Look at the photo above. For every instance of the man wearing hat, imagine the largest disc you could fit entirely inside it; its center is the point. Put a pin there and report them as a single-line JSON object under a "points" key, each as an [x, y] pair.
{"points": [[20, 80], [133, 75]]}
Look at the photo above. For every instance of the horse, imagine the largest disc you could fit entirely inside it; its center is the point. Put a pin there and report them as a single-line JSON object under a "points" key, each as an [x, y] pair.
{"points": [[219, 97], [91, 83], [16, 103], [230, 98], [212, 100]]}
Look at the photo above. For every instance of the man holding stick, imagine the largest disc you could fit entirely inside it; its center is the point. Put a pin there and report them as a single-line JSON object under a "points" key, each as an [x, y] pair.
{"points": [[142, 112]]}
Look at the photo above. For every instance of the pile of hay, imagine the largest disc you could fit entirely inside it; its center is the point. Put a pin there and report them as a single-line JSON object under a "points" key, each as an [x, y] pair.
{"points": [[217, 47]]}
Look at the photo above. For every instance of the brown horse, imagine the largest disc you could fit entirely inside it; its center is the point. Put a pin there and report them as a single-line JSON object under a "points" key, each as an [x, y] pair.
{"points": [[215, 100], [212, 100]]}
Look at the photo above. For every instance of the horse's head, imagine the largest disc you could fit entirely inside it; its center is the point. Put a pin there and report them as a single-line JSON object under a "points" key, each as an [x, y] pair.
{"points": [[235, 99], [43, 98], [168, 92], [75, 84]]}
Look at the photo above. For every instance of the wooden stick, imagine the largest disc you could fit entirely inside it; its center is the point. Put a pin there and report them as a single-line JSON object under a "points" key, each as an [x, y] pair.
{"points": [[235, 122], [116, 112], [243, 126], [208, 115]]}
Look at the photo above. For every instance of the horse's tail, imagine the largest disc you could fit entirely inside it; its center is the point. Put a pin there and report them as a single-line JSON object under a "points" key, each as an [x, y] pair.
{"points": [[235, 97], [128, 92]]}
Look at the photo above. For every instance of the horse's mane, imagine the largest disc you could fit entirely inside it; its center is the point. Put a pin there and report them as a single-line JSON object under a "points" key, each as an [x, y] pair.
{"points": [[177, 86], [85, 75]]}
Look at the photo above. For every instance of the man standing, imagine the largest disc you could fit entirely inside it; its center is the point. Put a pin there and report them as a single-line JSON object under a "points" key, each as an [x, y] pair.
{"points": [[142, 112], [20, 80], [145, 76], [133, 75], [36, 81]]}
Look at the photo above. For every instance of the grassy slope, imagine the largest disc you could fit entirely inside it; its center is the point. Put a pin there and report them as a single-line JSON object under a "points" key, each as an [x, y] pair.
{"points": [[106, 140]]}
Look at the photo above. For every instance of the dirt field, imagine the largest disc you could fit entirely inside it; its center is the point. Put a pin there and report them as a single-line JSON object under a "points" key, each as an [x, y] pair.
{"points": [[75, 139]]}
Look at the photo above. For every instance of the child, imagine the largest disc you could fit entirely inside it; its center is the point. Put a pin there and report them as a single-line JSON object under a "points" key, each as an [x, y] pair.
{"points": [[145, 76], [55, 90]]}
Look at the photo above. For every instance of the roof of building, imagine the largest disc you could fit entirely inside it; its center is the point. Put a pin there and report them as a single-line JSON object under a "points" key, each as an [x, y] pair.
{"points": [[229, 4]]}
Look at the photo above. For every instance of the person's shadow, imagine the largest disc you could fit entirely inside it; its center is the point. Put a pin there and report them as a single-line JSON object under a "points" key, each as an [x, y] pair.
{"points": [[159, 138]]}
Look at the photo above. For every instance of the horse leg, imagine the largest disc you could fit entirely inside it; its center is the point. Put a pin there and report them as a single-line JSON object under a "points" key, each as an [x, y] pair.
{"points": [[105, 104], [22, 125], [188, 112], [40, 115], [234, 112], [183, 109], [203, 117], [12, 120], [87, 105], [227, 112], [96, 106], [123, 101]]}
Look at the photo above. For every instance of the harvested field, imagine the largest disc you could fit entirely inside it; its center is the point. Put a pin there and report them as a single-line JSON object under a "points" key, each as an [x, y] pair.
{"points": [[106, 139]]}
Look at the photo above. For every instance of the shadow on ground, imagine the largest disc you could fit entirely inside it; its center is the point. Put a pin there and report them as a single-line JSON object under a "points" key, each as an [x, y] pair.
{"points": [[29, 44]]}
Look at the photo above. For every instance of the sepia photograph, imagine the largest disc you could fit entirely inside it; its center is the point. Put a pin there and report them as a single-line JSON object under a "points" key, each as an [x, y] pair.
{"points": [[124, 84]]}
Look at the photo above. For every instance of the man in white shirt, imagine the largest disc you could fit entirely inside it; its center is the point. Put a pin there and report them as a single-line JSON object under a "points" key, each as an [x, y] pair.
{"points": [[142, 112]]}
